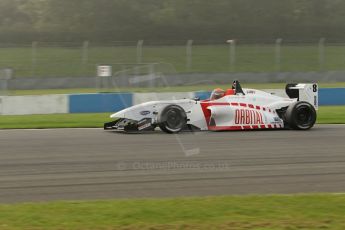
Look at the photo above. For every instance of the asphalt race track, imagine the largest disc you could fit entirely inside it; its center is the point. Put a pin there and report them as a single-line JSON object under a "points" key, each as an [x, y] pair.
{"points": [[71, 164]]}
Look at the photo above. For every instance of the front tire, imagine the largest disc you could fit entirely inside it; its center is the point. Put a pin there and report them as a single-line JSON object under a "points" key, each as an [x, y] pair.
{"points": [[300, 115], [172, 119]]}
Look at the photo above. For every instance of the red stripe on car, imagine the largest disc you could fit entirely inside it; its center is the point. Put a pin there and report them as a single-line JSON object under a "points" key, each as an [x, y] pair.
{"points": [[221, 128]]}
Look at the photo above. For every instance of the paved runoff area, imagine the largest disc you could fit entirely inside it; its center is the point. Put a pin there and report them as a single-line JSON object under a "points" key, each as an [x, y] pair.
{"points": [[73, 164]]}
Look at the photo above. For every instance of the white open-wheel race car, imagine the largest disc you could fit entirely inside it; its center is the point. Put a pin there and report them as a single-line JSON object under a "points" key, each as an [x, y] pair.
{"points": [[232, 109]]}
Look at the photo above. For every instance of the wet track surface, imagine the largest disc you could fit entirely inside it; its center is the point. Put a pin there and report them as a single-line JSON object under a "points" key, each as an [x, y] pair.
{"points": [[65, 164]]}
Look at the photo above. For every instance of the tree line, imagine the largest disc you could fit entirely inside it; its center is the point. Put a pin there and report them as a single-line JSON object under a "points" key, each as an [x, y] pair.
{"points": [[157, 20]]}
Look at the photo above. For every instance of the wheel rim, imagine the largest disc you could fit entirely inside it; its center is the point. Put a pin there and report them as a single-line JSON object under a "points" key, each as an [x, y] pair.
{"points": [[304, 116], [173, 119]]}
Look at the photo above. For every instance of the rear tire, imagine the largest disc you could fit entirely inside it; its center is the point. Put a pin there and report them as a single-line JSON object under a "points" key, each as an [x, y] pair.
{"points": [[300, 115], [172, 119]]}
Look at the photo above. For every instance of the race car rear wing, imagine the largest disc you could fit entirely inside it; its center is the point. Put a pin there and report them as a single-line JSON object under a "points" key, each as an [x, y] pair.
{"points": [[304, 92]]}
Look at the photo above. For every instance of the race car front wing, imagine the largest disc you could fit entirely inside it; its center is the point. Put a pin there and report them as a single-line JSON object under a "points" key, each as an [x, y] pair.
{"points": [[127, 125]]}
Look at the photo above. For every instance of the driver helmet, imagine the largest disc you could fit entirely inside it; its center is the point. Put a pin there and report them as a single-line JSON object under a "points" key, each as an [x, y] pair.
{"points": [[217, 93]]}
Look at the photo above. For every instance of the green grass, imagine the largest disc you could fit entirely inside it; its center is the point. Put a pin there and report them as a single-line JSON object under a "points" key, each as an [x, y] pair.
{"points": [[331, 115], [90, 120], [67, 61], [191, 88], [326, 115], [272, 212]]}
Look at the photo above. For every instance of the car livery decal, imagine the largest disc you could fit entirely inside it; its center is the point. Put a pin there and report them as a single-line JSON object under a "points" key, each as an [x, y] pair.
{"points": [[144, 113], [246, 117], [249, 118]]}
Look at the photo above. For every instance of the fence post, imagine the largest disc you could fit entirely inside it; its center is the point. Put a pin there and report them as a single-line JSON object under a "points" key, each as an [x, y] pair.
{"points": [[278, 54], [5, 76], [322, 54], [140, 51], [152, 74], [189, 53], [33, 58], [85, 56], [232, 55]]}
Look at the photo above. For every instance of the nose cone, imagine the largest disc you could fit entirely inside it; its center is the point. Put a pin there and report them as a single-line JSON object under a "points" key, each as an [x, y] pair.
{"points": [[120, 114], [134, 112]]}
